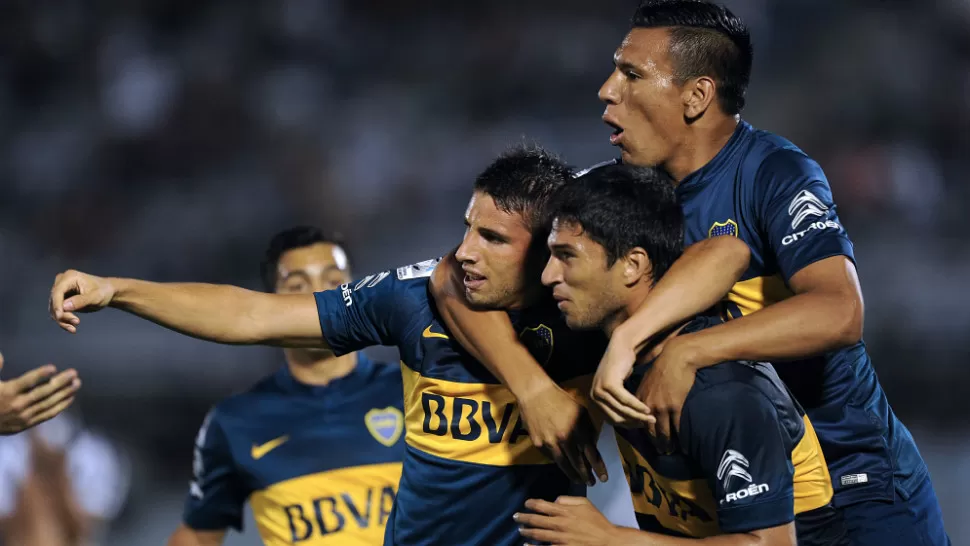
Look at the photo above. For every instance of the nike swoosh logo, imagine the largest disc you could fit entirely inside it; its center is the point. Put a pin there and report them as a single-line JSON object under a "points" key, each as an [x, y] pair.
{"points": [[428, 333], [259, 451]]}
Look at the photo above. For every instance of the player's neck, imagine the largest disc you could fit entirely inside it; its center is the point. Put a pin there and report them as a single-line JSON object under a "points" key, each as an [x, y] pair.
{"points": [[312, 369], [703, 141], [637, 296]]}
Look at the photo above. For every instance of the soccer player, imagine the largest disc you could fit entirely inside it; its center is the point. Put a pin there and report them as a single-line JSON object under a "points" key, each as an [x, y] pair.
{"points": [[469, 464], [674, 102], [748, 468], [316, 447]]}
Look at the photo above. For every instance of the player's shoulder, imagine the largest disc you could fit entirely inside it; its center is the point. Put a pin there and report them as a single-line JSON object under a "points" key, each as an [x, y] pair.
{"points": [[752, 390], [248, 402], [776, 155], [376, 372]]}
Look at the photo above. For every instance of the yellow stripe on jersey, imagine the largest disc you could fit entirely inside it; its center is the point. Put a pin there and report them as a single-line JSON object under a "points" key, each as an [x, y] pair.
{"points": [[757, 293], [685, 506], [471, 422], [346, 507], [812, 483]]}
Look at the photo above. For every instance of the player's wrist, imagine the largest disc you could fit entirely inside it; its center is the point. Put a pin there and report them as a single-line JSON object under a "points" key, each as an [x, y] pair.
{"points": [[692, 351], [117, 290], [633, 334], [529, 388]]}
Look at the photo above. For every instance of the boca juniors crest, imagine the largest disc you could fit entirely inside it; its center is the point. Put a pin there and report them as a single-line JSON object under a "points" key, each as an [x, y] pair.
{"points": [[385, 425], [729, 227], [539, 341]]}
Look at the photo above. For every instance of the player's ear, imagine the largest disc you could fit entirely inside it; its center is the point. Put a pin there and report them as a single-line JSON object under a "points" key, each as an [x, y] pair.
{"points": [[636, 265], [699, 94]]}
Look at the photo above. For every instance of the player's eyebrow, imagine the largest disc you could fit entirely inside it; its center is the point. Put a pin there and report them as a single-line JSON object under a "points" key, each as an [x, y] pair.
{"points": [[297, 273], [492, 234], [561, 247], [625, 65]]}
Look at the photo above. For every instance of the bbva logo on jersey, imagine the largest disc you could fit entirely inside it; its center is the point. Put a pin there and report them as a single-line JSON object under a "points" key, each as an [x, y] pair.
{"points": [[385, 425]]}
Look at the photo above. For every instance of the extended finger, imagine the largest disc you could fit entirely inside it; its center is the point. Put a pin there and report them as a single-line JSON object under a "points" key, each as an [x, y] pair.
{"points": [[595, 461], [544, 536], [573, 454], [52, 400], [617, 412], [538, 521], [51, 412], [32, 378], [652, 431], [56, 383], [628, 400], [662, 439], [544, 507], [564, 464]]}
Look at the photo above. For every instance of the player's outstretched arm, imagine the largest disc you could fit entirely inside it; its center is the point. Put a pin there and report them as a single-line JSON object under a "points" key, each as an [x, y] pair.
{"points": [[219, 313], [696, 281], [186, 536], [574, 521], [555, 421]]}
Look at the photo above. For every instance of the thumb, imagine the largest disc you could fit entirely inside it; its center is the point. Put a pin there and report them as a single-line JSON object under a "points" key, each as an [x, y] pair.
{"points": [[80, 301], [1, 361], [572, 501]]}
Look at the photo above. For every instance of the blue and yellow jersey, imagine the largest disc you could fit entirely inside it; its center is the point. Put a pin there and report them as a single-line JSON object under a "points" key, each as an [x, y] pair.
{"points": [[764, 190], [469, 464], [319, 465], [748, 459]]}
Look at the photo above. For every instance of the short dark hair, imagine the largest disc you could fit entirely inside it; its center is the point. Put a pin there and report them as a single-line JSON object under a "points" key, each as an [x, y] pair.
{"points": [[706, 39], [523, 180], [287, 240], [621, 207]]}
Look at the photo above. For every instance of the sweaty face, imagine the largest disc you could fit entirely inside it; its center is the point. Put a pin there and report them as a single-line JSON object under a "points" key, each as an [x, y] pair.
{"points": [[587, 291], [309, 269], [493, 255], [644, 104]]}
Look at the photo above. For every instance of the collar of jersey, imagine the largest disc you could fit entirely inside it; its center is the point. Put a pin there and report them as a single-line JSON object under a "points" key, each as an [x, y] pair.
{"points": [[348, 382], [698, 323]]}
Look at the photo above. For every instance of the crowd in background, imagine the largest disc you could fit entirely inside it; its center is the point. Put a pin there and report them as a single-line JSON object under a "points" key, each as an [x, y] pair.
{"points": [[168, 140]]}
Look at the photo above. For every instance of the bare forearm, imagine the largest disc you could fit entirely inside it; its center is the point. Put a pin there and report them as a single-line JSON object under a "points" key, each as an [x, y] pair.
{"points": [[222, 313], [801, 326], [488, 336], [695, 282]]}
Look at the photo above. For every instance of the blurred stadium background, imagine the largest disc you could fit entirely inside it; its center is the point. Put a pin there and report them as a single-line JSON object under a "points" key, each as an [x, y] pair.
{"points": [[168, 139]]}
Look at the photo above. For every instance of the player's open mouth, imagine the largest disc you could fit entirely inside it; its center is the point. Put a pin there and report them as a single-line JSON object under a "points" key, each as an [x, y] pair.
{"points": [[473, 281], [617, 131]]}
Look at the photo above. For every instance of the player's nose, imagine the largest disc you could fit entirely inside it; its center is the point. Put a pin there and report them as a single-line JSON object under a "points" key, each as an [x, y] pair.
{"points": [[551, 274], [609, 91], [466, 252]]}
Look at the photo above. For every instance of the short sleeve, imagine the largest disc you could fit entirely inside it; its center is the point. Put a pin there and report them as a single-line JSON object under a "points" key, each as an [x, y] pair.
{"points": [[378, 309], [216, 493], [797, 212], [732, 430]]}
